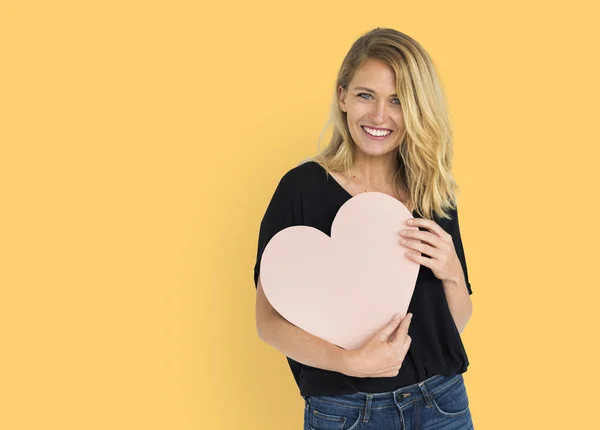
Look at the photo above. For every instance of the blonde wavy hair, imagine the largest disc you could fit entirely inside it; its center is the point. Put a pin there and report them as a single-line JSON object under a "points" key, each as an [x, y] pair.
{"points": [[425, 152]]}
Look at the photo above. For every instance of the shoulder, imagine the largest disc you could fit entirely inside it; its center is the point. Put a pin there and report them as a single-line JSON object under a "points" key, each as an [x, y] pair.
{"points": [[448, 224], [302, 177], [292, 197], [453, 226], [305, 170]]}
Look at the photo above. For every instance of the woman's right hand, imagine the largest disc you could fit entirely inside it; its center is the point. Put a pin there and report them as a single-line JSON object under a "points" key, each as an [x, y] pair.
{"points": [[382, 355]]}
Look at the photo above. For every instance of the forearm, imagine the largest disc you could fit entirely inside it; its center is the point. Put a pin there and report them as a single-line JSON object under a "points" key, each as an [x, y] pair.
{"points": [[459, 301], [302, 346]]}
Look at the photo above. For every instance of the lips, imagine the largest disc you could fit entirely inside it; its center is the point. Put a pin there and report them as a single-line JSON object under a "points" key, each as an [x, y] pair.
{"points": [[370, 136], [376, 128]]}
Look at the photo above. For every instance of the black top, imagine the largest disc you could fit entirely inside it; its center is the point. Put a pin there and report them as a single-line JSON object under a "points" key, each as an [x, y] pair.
{"points": [[306, 196]]}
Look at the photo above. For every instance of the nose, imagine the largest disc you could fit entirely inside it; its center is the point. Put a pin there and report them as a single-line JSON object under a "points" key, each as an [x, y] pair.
{"points": [[378, 112]]}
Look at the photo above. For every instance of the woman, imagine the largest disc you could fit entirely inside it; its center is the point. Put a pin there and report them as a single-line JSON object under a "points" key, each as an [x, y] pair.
{"points": [[391, 135]]}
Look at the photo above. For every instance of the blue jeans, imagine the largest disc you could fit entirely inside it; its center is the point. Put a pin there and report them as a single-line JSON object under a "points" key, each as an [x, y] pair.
{"points": [[439, 402]]}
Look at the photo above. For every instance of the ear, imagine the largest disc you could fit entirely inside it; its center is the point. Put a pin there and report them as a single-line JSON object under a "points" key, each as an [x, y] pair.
{"points": [[342, 98]]}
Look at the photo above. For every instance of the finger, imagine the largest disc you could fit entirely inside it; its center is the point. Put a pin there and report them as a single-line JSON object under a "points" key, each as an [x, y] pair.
{"points": [[431, 225], [404, 349], [423, 261], [424, 248], [402, 332], [406, 346], [419, 236], [385, 333], [393, 369]]}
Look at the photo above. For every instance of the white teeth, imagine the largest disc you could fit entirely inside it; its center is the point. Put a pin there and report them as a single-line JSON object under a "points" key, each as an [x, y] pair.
{"points": [[378, 133]]}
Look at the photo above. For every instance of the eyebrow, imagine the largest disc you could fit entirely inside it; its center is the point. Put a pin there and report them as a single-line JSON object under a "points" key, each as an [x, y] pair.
{"points": [[370, 90]]}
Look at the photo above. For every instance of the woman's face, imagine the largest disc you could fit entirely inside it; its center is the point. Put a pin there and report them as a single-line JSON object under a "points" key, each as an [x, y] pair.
{"points": [[371, 102]]}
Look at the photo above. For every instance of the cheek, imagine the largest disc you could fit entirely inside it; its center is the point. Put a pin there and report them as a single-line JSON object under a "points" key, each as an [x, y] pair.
{"points": [[399, 119], [353, 119]]}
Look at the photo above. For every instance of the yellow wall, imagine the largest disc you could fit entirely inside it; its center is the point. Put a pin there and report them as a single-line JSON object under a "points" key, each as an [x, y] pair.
{"points": [[141, 142]]}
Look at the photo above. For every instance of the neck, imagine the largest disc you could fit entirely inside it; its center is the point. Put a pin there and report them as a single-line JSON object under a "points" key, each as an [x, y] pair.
{"points": [[374, 172]]}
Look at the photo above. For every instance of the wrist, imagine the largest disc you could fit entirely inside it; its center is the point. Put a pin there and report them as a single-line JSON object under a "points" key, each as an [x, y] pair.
{"points": [[348, 362], [454, 280], [450, 282]]}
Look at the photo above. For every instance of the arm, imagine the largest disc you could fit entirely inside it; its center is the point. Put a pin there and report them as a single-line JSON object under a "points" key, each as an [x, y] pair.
{"points": [[459, 301], [294, 342], [456, 289]]}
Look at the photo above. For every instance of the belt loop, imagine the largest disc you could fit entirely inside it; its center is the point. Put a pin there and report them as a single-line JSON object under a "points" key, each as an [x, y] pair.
{"points": [[426, 394], [402, 420], [367, 408]]}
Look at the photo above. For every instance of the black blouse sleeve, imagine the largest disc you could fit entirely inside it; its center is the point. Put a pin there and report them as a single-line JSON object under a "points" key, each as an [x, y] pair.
{"points": [[279, 215], [458, 245]]}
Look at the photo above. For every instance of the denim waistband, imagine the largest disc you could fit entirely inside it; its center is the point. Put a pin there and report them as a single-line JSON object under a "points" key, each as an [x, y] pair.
{"points": [[401, 396]]}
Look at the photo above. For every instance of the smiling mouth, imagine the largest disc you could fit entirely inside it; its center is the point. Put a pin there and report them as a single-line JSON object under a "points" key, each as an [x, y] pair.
{"points": [[375, 134]]}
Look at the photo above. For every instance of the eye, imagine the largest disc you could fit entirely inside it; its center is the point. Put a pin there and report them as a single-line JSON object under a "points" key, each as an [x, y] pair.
{"points": [[369, 95]]}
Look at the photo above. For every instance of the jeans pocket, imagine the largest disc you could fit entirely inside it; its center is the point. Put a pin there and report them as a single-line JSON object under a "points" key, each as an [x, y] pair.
{"points": [[327, 415], [452, 401]]}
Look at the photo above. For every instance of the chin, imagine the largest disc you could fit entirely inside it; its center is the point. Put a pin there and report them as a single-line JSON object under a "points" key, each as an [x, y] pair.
{"points": [[375, 151]]}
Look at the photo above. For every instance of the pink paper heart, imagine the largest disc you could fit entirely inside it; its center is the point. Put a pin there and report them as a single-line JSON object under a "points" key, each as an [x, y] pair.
{"points": [[346, 287]]}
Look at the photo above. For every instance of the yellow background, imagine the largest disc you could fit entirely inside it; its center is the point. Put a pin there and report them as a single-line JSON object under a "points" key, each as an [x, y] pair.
{"points": [[141, 142]]}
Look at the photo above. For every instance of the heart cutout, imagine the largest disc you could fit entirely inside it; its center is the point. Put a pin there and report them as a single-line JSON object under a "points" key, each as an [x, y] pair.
{"points": [[346, 287]]}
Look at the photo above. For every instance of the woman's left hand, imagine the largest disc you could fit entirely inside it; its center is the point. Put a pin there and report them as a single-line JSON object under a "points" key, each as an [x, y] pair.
{"points": [[435, 243]]}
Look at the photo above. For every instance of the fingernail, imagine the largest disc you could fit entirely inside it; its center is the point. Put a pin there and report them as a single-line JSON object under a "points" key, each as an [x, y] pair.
{"points": [[396, 317]]}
